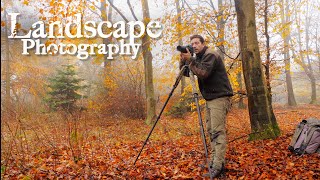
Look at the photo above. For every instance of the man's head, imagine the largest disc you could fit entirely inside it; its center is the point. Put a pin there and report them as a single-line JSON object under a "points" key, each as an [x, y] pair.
{"points": [[197, 42]]}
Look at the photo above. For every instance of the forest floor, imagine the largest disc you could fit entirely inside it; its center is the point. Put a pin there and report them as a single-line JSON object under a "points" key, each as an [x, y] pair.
{"points": [[43, 147]]}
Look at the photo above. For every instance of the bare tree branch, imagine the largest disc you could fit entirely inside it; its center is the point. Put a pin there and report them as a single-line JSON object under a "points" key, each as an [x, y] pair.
{"points": [[211, 4], [99, 15], [115, 8], [209, 33], [131, 9]]}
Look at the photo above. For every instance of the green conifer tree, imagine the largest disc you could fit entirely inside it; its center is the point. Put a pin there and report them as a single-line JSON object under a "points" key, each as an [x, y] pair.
{"points": [[63, 90]]}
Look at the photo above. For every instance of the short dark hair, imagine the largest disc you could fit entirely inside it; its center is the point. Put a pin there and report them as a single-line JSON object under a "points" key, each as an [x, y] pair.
{"points": [[197, 36]]}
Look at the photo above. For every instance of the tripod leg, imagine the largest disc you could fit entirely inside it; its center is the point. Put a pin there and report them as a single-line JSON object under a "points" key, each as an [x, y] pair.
{"points": [[165, 104], [203, 137]]}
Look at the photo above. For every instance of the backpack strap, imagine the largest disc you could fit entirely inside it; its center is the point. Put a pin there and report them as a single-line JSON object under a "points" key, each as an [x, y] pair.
{"points": [[297, 133]]}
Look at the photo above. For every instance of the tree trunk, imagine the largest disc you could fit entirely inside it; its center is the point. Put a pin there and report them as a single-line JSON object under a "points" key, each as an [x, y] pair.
{"points": [[318, 49], [308, 69], [221, 27], [106, 17], [241, 104], [7, 75], [285, 18], [268, 61], [262, 119], [179, 22], [147, 56], [311, 75]]}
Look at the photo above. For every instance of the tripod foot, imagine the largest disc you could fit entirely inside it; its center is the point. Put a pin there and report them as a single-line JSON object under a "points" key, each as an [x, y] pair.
{"points": [[202, 166]]}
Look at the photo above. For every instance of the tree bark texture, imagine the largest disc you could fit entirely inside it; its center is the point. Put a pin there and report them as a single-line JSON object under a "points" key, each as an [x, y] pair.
{"points": [[7, 54], [221, 26], [262, 119], [179, 22], [106, 16], [311, 76], [285, 18], [301, 62], [147, 56], [268, 61]]}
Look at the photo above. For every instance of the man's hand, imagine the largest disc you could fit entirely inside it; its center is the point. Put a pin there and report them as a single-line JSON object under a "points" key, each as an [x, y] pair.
{"points": [[186, 56]]}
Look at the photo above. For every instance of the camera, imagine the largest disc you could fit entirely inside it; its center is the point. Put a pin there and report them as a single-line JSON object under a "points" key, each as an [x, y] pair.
{"points": [[183, 49]]}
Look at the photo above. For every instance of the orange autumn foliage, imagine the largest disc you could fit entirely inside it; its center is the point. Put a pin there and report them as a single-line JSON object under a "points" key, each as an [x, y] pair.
{"points": [[174, 151]]}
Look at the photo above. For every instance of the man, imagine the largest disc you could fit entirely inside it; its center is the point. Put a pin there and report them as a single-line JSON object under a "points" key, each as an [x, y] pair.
{"points": [[215, 88]]}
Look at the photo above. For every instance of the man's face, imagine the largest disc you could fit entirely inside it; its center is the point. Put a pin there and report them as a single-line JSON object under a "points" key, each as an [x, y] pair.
{"points": [[197, 45]]}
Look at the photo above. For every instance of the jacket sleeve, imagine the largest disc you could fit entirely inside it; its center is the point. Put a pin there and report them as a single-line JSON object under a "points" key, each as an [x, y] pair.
{"points": [[204, 67]]}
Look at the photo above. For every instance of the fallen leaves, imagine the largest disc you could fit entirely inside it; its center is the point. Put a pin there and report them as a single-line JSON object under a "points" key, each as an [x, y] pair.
{"points": [[111, 148]]}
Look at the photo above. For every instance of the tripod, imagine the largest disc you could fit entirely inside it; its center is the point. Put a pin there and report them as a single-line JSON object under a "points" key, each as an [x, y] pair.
{"points": [[196, 99]]}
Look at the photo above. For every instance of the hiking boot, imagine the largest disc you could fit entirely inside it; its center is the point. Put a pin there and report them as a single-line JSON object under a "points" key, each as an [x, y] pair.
{"points": [[215, 172]]}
